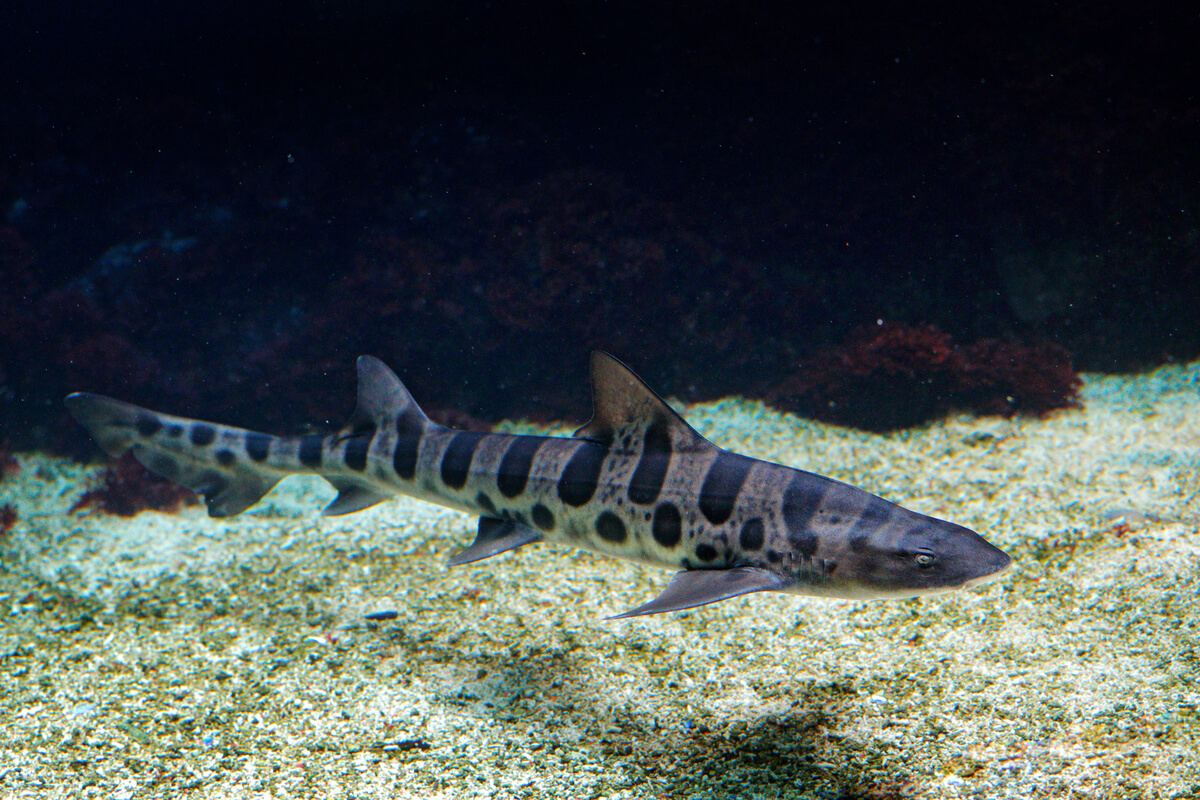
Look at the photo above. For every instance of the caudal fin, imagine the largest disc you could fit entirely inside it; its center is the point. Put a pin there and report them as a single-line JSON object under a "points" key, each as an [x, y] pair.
{"points": [[226, 465], [233, 468]]}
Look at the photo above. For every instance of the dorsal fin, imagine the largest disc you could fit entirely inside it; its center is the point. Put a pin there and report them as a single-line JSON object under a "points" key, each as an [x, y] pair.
{"points": [[381, 399], [621, 401]]}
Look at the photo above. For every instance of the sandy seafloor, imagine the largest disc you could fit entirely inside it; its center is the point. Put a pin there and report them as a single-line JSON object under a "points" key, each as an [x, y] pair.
{"points": [[179, 656]]}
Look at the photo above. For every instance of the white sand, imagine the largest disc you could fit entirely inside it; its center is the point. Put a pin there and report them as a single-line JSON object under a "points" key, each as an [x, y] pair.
{"points": [[178, 656]]}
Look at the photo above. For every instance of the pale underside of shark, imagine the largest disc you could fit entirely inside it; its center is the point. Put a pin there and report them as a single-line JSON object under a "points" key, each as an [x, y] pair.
{"points": [[637, 482]]}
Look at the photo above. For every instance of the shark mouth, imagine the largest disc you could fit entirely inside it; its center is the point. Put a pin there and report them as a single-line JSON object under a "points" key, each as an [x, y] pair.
{"points": [[991, 576]]}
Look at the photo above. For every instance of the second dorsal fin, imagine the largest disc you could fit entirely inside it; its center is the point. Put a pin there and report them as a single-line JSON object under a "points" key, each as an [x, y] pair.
{"points": [[621, 402], [382, 398]]}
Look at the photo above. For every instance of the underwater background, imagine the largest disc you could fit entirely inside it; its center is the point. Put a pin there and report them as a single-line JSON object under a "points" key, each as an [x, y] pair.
{"points": [[215, 207], [949, 253]]}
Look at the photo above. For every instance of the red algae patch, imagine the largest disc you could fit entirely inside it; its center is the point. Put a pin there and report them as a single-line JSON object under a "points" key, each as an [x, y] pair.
{"points": [[126, 489], [890, 376]]}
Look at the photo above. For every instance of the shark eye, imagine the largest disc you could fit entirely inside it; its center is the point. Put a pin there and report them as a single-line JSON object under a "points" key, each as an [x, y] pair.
{"points": [[925, 560]]}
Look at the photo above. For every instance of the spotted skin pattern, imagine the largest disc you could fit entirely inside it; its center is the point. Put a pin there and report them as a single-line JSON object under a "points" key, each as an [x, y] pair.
{"points": [[637, 482]]}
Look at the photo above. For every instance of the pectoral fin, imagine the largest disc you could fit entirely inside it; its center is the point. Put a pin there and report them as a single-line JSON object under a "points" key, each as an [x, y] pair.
{"points": [[698, 587], [495, 536]]}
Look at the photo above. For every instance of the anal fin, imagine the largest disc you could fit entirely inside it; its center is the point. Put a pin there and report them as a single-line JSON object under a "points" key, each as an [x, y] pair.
{"points": [[699, 587], [351, 497], [495, 536]]}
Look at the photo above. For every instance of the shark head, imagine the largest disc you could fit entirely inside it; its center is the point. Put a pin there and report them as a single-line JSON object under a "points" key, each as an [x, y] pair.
{"points": [[923, 556]]}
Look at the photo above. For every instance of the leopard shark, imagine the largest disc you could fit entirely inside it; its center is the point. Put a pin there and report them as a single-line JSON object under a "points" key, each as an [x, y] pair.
{"points": [[636, 482]]}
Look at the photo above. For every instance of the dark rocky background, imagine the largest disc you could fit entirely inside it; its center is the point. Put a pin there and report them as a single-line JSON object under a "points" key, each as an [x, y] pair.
{"points": [[213, 207]]}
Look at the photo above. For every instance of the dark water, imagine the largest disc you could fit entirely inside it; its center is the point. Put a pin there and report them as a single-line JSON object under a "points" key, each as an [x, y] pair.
{"points": [[215, 207]]}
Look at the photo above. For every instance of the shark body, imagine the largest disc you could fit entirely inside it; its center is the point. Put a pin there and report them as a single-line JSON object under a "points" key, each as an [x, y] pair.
{"points": [[637, 482]]}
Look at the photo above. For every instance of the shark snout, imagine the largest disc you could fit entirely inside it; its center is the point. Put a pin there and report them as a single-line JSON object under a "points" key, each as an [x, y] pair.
{"points": [[999, 563]]}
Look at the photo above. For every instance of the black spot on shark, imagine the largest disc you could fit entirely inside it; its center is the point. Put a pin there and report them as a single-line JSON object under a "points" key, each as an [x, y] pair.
{"points": [[357, 449], [581, 475], [542, 517], [801, 500], [667, 526], [610, 528], [202, 434], [485, 502], [456, 461], [404, 459], [722, 486], [513, 473], [652, 466], [148, 425], [312, 450], [258, 446], [752, 535]]}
